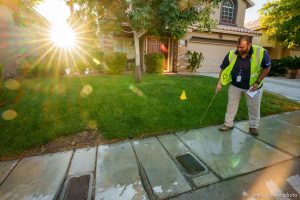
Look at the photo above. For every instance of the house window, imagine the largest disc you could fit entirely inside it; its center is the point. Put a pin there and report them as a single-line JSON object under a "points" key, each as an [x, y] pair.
{"points": [[126, 45], [227, 12]]}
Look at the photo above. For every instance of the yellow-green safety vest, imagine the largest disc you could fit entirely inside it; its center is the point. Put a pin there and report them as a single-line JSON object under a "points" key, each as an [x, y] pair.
{"points": [[256, 60]]}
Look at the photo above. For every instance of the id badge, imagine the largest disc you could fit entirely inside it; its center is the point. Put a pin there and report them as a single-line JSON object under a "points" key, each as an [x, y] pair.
{"points": [[238, 78]]}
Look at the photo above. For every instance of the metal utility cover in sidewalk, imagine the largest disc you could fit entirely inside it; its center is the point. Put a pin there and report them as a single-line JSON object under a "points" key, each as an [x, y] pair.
{"points": [[190, 164], [176, 147], [78, 188]]}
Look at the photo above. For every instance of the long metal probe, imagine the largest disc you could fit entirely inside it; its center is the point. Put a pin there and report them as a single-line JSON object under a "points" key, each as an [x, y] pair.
{"points": [[208, 108]]}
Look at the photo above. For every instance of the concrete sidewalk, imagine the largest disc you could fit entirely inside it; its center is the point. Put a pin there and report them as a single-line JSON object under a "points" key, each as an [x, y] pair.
{"points": [[289, 88], [225, 165]]}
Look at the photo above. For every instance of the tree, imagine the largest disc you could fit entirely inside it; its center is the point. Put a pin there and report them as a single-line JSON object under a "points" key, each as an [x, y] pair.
{"points": [[281, 18], [158, 17]]}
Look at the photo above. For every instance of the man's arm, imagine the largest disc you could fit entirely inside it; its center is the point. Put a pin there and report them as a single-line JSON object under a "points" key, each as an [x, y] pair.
{"points": [[263, 74], [224, 64], [266, 65], [219, 85]]}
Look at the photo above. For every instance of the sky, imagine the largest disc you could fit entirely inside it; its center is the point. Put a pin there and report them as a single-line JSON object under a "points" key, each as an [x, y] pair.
{"points": [[252, 13], [56, 11]]}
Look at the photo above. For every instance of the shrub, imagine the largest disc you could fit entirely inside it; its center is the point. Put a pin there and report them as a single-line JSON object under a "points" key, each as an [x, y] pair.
{"points": [[28, 67], [97, 60], [194, 59], [154, 63], [293, 63], [24, 66], [277, 68], [81, 66], [131, 67], [116, 62]]}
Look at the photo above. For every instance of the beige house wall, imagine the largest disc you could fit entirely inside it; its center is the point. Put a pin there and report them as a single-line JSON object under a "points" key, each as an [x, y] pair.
{"points": [[214, 46], [275, 50], [241, 13], [240, 16], [213, 52], [295, 52], [213, 55]]}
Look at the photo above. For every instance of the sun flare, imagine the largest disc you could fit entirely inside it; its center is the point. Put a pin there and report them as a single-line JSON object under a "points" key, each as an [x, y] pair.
{"points": [[63, 36]]}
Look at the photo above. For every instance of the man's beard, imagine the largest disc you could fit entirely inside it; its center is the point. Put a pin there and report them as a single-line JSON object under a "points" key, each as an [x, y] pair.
{"points": [[243, 52]]}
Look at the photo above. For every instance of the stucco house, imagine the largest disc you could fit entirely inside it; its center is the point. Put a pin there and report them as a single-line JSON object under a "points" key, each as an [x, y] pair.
{"points": [[214, 45], [275, 50], [23, 33]]}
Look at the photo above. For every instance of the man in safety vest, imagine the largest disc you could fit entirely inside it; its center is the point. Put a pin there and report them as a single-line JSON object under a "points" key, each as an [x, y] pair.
{"points": [[245, 68]]}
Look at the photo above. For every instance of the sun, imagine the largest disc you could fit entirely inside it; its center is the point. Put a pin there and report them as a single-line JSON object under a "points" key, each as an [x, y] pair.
{"points": [[63, 36]]}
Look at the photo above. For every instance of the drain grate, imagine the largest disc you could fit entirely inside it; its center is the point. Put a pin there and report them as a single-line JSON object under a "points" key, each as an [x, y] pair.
{"points": [[190, 164], [78, 188]]}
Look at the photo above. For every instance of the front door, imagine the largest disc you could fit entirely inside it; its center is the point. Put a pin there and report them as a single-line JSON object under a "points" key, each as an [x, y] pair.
{"points": [[159, 45]]}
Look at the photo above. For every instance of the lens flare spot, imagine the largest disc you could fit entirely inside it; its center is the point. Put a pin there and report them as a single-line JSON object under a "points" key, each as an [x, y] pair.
{"points": [[140, 93], [131, 87], [96, 61], [86, 91], [12, 84], [92, 124], [9, 115], [136, 90]]}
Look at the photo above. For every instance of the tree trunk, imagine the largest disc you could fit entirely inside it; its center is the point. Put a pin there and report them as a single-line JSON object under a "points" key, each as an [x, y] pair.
{"points": [[71, 4], [137, 71], [175, 54]]}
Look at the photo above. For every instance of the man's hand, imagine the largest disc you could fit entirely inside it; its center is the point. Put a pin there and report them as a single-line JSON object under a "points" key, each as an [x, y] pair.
{"points": [[254, 87], [219, 87]]}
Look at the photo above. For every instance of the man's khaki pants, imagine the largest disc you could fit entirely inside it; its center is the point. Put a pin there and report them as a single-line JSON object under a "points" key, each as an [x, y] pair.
{"points": [[234, 95]]}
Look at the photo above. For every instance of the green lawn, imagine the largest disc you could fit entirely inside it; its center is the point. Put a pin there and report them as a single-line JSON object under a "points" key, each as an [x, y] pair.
{"points": [[48, 108]]}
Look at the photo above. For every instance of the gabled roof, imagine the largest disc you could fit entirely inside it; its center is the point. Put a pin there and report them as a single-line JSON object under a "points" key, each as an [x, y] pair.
{"points": [[229, 29], [236, 29], [253, 25], [250, 4]]}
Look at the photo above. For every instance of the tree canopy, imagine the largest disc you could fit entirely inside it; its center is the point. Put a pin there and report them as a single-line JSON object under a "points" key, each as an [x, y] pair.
{"points": [[170, 18], [158, 17], [281, 18]]}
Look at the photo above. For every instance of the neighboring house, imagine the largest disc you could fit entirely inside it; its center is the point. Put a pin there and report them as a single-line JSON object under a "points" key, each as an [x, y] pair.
{"points": [[23, 33], [275, 50], [214, 45]]}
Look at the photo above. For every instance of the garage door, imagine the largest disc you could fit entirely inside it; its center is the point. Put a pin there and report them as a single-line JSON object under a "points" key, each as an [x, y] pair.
{"points": [[213, 54]]}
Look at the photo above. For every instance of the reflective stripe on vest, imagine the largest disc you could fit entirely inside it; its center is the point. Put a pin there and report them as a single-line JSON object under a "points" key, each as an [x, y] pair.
{"points": [[256, 60]]}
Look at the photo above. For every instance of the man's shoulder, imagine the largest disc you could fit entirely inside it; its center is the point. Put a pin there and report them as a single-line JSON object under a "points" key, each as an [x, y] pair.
{"points": [[257, 46]]}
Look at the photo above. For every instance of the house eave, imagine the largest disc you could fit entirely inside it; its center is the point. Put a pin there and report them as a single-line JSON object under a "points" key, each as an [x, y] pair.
{"points": [[250, 4], [228, 30]]}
